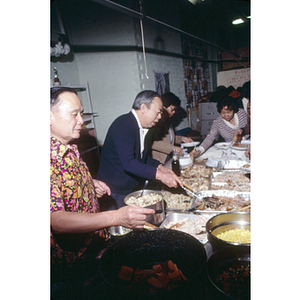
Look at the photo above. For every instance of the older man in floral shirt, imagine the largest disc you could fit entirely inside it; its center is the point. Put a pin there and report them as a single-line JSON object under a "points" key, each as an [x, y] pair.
{"points": [[76, 221]]}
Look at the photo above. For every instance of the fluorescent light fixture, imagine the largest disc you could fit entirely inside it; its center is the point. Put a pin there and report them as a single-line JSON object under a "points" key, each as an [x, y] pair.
{"points": [[249, 17], [237, 21], [193, 1]]}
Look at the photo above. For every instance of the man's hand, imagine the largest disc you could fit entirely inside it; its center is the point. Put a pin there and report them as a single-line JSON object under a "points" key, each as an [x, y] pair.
{"points": [[101, 188], [167, 176], [186, 139]]}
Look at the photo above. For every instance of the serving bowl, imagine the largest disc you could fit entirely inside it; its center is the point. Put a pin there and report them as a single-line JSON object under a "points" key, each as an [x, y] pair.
{"points": [[224, 222], [220, 262], [142, 249], [118, 231], [185, 161], [155, 219]]}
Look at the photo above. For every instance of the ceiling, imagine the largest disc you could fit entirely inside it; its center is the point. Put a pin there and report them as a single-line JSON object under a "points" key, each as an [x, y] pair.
{"points": [[209, 20]]}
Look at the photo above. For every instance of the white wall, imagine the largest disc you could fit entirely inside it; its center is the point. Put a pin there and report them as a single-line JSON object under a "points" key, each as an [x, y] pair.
{"points": [[115, 78]]}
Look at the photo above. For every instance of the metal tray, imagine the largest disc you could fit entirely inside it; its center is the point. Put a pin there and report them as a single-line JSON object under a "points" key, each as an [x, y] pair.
{"points": [[172, 210], [226, 193], [177, 217], [231, 165], [214, 174]]}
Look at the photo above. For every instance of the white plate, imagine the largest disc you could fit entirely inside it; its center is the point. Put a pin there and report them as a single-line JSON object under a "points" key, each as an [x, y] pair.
{"points": [[192, 144], [222, 146], [246, 169], [242, 148]]}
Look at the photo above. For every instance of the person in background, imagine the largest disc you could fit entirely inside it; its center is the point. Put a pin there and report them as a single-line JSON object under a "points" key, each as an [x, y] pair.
{"points": [[163, 134], [248, 152], [245, 95], [77, 226], [125, 160], [231, 122]]}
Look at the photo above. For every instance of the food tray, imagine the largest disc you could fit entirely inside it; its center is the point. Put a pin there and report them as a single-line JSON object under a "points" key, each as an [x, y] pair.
{"points": [[177, 217], [232, 165], [172, 210], [220, 193], [214, 174], [226, 193]]}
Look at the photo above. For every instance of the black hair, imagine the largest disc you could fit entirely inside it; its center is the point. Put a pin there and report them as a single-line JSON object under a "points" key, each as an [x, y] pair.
{"points": [[246, 90], [228, 101], [56, 91], [170, 99]]}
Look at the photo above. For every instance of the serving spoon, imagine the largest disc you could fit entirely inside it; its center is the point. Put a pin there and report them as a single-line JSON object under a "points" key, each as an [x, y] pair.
{"points": [[146, 182]]}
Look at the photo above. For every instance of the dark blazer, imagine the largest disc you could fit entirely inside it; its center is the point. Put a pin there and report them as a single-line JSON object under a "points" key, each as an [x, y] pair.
{"points": [[121, 166]]}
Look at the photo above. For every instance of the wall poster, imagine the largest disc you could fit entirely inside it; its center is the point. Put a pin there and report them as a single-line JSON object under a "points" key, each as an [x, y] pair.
{"points": [[196, 71], [162, 83]]}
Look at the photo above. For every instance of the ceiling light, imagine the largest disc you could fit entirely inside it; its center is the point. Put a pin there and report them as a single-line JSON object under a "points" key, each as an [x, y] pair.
{"points": [[193, 1], [237, 21]]}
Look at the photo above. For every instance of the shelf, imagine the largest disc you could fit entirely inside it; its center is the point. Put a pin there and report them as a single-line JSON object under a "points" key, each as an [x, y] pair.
{"points": [[78, 88], [88, 116]]}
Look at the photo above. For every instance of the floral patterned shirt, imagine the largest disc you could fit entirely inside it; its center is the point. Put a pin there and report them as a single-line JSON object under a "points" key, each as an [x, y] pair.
{"points": [[71, 189]]}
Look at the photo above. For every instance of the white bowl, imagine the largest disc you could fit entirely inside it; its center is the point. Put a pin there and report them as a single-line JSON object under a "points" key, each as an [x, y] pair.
{"points": [[185, 161]]}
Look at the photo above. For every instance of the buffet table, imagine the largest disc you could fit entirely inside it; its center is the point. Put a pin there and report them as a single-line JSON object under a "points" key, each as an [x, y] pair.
{"points": [[220, 152], [96, 288]]}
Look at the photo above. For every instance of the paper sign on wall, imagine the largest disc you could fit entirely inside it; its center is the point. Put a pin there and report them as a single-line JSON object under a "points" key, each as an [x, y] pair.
{"points": [[236, 78]]}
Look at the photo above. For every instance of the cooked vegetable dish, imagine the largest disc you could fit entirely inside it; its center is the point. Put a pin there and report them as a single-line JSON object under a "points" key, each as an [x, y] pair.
{"points": [[145, 200], [236, 282], [241, 236]]}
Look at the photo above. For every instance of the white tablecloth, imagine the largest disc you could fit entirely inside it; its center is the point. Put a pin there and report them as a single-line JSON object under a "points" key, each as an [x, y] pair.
{"points": [[218, 154]]}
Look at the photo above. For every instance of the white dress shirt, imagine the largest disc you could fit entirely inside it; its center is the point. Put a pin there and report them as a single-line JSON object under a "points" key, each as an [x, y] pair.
{"points": [[143, 132]]}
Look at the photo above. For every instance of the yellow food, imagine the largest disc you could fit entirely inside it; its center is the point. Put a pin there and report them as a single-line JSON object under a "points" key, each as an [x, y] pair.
{"points": [[241, 236]]}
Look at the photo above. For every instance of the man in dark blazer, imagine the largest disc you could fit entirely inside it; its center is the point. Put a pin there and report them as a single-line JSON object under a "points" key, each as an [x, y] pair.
{"points": [[125, 157]]}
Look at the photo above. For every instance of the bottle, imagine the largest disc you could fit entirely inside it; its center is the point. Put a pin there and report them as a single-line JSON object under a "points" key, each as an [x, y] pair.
{"points": [[175, 163], [56, 79]]}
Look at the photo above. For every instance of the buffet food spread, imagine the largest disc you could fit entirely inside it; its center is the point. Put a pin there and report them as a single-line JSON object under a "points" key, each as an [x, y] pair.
{"points": [[227, 186], [216, 212]]}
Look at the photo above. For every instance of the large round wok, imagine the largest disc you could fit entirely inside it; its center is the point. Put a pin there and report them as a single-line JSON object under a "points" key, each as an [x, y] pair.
{"points": [[222, 260], [145, 248]]}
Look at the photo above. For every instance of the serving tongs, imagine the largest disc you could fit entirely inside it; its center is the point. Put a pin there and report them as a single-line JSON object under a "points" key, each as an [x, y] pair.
{"points": [[188, 189], [204, 200]]}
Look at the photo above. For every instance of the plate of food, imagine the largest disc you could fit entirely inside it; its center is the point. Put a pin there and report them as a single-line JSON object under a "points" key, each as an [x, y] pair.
{"points": [[222, 145], [246, 167], [241, 146]]}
